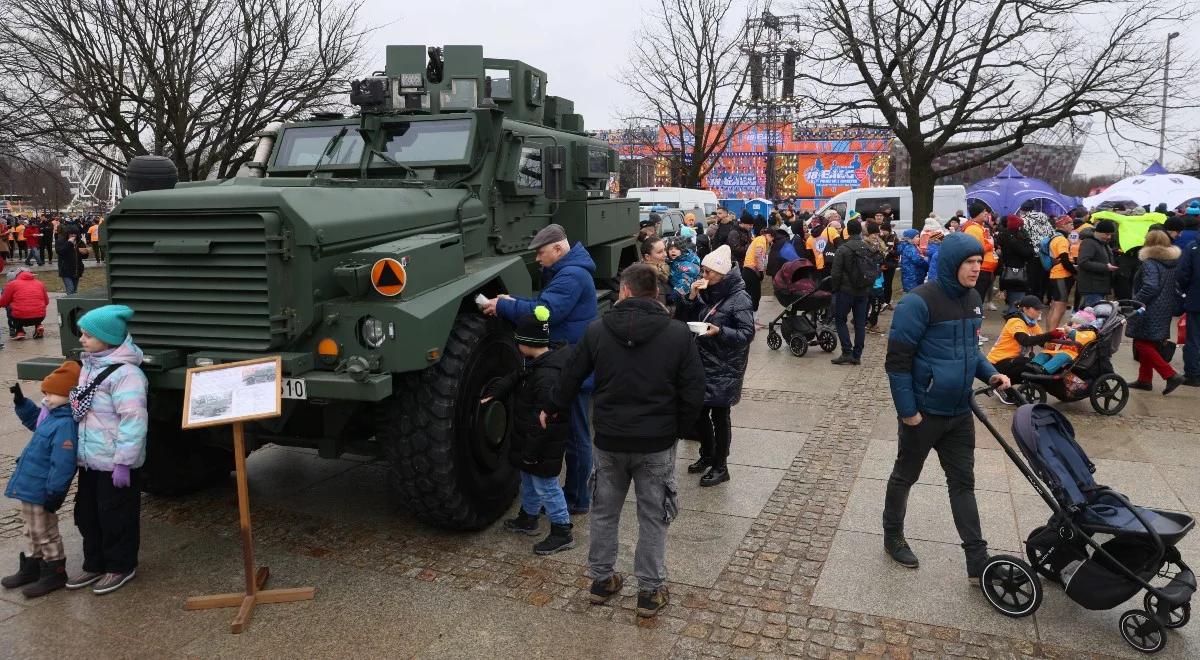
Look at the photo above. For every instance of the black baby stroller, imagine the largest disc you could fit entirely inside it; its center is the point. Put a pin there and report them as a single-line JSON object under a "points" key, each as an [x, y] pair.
{"points": [[1091, 376], [805, 320], [1098, 547]]}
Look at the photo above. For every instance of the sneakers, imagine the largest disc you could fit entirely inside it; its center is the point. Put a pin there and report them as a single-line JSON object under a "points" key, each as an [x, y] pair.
{"points": [[714, 476], [602, 590], [1172, 384], [897, 548], [28, 572], [844, 359], [975, 568], [39, 332], [1007, 397], [559, 539], [83, 579], [651, 602], [700, 465], [112, 581], [20, 336], [52, 577], [1139, 385], [991, 306], [524, 523]]}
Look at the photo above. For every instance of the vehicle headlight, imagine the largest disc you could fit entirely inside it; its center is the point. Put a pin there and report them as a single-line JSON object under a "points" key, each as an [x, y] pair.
{"points": [[371, 332]]}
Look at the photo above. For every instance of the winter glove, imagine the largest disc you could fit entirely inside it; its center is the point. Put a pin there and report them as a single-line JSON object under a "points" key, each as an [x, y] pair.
{"points": [[54, 503], [1058, 333], [18, 395], [120, 476]]}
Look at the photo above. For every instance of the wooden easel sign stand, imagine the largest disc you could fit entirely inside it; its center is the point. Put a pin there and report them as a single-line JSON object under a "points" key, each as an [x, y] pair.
{"points": [[236, 393]]}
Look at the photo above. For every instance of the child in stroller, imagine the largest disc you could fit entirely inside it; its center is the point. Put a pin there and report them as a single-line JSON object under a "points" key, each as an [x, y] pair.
{"points": [[1101, 549], [1066, 345], [1090, 375], [805, 320]]}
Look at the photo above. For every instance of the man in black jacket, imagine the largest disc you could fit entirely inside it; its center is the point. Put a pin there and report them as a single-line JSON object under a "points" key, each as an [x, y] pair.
{"points": [[649, 390], [851, 293], [1096, 262]]}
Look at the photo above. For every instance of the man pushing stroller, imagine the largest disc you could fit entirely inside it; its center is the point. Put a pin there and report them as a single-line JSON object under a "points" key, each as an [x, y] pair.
{"points": [[931, 365]]}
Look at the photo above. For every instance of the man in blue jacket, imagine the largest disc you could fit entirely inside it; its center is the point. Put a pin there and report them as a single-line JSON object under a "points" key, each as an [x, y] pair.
{"points": [[569, 291], [1187, 279], [933, 360]]}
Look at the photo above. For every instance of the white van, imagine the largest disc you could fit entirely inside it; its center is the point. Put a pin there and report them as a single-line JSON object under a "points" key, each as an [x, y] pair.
{"points": [[700, 202], [947, 200]]}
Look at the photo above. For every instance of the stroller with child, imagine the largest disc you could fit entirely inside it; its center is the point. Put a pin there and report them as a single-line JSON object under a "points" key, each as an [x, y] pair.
{"points": [[1091, 376], [1101, 549], [805, 320]]}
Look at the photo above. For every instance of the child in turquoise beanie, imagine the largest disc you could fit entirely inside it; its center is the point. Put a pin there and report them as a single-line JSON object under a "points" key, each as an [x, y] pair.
{"points": [[110, 406]]}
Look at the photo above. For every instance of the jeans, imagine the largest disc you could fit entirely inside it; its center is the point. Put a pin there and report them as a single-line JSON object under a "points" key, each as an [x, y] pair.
{"points": [[578, 456], [70, 284], [843, 304], [1191, 348], [653, 477], [538, 492], [1090, 299], [109, 519], [716, 431], [34, 255], [954, 440]]}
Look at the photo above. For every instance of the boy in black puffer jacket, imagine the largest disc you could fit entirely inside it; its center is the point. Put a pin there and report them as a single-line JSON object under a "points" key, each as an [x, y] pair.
{"points": [[537, 452]]}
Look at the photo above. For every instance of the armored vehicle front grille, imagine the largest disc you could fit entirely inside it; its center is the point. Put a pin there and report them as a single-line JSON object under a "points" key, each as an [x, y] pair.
{"points": [[194, 281]]}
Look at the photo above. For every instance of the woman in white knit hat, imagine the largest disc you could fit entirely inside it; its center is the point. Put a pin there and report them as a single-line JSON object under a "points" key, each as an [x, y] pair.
{"points": [[719, 298]]}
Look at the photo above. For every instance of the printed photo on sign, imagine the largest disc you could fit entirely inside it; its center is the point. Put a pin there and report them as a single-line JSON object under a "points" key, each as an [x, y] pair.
{"points": [[232, 392]]}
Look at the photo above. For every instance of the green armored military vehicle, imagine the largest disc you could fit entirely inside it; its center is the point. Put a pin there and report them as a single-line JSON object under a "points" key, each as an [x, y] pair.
{"points": [[357, 253]]}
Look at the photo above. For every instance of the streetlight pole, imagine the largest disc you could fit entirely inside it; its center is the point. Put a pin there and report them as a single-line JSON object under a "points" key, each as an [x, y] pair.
{"points": [[1162, 127]]}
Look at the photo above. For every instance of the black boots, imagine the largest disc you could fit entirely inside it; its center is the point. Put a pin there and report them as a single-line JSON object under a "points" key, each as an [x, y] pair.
{"points": [[715, 475], [559, 539], [524, 523], [53, 576], [898, 549], [700, 465], [28, 571]]}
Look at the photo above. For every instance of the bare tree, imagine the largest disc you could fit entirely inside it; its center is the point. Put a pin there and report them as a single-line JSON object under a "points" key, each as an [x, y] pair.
{"points": [[190, 79], [1191, 157], [978, 78], [687, 74], [35, 174]]}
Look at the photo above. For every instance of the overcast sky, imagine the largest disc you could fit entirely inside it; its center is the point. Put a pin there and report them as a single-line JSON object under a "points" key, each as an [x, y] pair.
{"points": [[582, 50]]}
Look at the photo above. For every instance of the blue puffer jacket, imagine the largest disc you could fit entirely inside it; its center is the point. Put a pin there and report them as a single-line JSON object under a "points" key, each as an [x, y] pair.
{"points": [[933, 353], [1187, 277], [568, 290], [47, 466], [913, 266]]}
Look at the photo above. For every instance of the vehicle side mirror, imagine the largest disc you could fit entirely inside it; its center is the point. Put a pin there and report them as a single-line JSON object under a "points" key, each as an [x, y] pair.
{"points": [[554, 171]]}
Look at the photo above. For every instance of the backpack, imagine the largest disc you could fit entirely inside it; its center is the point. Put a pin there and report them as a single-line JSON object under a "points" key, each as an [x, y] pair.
{"points": [[863, 268], [1044, 252]]}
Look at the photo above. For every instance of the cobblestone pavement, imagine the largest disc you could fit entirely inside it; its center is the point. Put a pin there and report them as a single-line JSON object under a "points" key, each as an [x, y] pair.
{"points": [[745, 577]]}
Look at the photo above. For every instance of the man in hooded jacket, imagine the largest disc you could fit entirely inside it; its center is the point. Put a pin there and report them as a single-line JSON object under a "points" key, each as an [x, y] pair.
{"points": [[932, 362], [649, 389]]}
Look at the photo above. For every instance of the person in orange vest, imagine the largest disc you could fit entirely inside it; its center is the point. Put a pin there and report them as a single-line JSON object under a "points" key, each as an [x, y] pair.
{"points": [[976, 227], [94, 240]]}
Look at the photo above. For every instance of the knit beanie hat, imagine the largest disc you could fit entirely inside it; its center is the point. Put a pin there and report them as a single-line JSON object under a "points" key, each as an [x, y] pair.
{"points": [[854, 227], [719, 260], [1083, 317], [107, 323], [1174, 224], [1193, 208], [909, 234], [1106, 226], [534, 329], [61, 380], [933, 223]]}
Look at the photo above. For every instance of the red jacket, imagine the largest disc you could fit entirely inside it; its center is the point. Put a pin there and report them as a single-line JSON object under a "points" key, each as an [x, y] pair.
{"points": [[25, 297], [33, 234]]}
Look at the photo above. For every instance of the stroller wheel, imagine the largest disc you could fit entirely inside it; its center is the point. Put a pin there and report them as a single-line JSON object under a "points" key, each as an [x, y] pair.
{"points": [[1032, 392], [1176, 617], [1142, 632], [798, 345], [1109, 394], [1011, 586], [827, 341], [774, 340]]}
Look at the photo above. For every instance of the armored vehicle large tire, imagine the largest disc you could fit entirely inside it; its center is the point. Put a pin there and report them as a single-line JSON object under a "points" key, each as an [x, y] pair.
{"points": [[449, 454]]}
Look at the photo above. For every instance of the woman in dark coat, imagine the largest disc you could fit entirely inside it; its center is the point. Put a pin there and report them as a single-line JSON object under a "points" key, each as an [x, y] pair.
{"points": [[719, 298], [1154, 286], [1015, 252], [71, 251]]}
